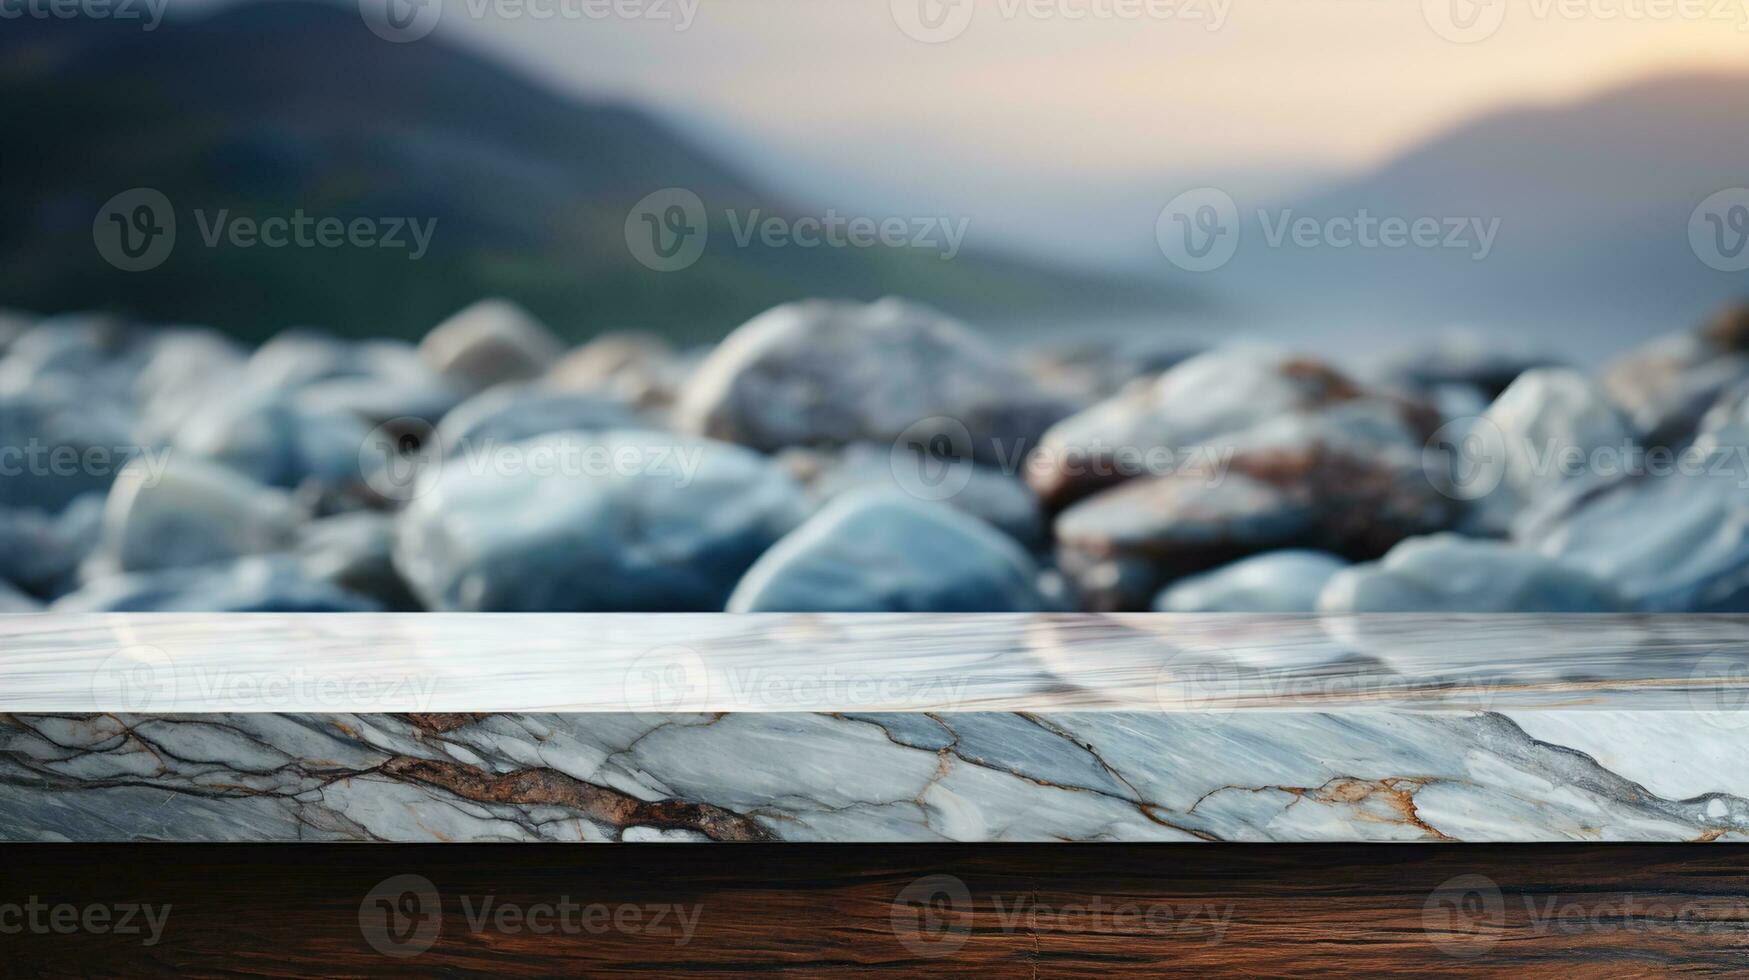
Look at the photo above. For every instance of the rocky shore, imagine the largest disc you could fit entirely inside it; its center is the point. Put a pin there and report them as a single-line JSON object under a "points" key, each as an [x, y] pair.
{"points": [[839, 456]]}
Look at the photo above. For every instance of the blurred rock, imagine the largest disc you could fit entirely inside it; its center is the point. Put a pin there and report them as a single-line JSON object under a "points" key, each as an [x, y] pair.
{"points": [[1671, 543], [183, 369], [92, 350], [615, 521], [59, 442], [635, 368], [1458, 401], [13, 325], [14, 601], [1553, 422], [512, 413], [355, 552], [41, 553], [490, 342], [1348, 480], [375, 380], [1092, 371], [1726, 423], [1668, 384], [1487, 364], [275, 440], [981, 491], [827, 373], [1448, 573], [391, 382], [1275, 582], [192, 513], [881, 551], [1197, 403], [272, 583], [298, 357]]}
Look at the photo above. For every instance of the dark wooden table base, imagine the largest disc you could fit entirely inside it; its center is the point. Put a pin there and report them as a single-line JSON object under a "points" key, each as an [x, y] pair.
{"points": [[1051, 910]]}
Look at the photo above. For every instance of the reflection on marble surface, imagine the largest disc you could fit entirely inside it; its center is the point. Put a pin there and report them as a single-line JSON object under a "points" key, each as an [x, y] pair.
{"points": [[431, 662]]}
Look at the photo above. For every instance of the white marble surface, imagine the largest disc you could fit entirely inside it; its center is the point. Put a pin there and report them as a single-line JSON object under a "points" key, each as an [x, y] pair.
{"points": [[873, 728], [892, 663]]}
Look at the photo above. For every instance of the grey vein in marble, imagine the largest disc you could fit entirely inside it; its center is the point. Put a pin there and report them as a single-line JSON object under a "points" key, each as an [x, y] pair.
{"points": [[1077, 776]]}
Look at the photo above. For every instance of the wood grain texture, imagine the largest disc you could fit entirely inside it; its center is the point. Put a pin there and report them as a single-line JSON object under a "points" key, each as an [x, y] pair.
{"points": [[1053, 910]]}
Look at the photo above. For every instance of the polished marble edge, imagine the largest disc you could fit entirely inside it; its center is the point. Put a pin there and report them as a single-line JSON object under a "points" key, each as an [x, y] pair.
{"points": [[748, 663], [1070, 776]]}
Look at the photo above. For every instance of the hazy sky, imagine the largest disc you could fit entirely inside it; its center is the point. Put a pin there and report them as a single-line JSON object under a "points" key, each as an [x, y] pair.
{"points": [[1281, 84], [1057, 121]]}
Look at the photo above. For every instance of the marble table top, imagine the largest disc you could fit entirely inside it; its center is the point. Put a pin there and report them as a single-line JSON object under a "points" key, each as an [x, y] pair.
{"points": [[435, 662], [873, 728]]}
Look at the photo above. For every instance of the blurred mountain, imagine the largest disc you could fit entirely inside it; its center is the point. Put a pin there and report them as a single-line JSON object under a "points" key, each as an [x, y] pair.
{"points": [[1593, 201], [260, 110]]}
